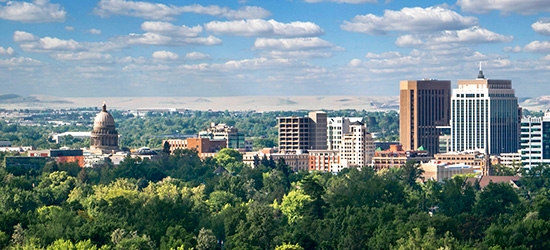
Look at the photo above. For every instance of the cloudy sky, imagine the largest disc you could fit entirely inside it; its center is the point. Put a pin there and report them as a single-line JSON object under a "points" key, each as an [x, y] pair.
{"points": [[268, 47]]}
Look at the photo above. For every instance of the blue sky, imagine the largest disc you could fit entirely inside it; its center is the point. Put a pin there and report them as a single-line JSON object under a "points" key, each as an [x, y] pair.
{"points": [[268, 47]]}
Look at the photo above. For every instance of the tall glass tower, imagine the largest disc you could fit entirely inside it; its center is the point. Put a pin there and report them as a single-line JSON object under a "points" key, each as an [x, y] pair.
{"points": [[485, 116]]}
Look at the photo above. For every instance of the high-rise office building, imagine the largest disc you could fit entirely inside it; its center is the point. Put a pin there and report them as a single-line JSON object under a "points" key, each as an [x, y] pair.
{"points": [[424, 108], [303, 133], [535, 141], [484, 116]]}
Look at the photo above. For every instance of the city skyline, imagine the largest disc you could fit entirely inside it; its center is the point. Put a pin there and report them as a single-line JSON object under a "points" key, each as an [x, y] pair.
{"points": [[271, 48]]}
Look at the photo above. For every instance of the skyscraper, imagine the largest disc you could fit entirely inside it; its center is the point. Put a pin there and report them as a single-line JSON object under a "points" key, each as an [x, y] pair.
{"points": [[535, 141], [484, 116], [424, 107]]}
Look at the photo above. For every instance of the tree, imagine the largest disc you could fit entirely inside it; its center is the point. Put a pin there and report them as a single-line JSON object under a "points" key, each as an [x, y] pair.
{"points": [[295, 205], [206, 240], [227, 156], [426, 241], [288, 246]]}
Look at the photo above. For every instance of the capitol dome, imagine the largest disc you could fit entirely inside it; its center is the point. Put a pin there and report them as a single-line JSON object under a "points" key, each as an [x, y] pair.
{"points": [[104, 135]]}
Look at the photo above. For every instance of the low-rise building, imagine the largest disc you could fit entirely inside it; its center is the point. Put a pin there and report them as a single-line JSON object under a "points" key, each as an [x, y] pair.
{"points": [[439, 171], [325, 161], [396, 157]]}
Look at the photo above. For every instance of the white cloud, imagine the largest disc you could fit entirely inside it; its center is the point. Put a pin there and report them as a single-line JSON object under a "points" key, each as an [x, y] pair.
{"points": [[158, 11], [259, 27], [196, 56], [81, 56], [537, 46], [514, 49], [292, 44], [19, 61], [542, 26], [247, 12], [165, 55], [166, 28], [39, 11], [448, 39], [95, 31], [297, 54], [69, 28], [7, 51], [31, 43], [342, 1], [507, 6], [409, 19], [157, 39]]}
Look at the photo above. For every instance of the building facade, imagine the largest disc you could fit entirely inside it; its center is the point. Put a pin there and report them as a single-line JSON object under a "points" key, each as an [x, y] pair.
{"points": [[299, 134], [535, 141], [424, 107], [396, 157], [484, 116]]}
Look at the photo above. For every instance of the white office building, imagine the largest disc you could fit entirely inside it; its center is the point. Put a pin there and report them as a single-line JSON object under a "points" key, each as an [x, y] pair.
{"points": [[484, 116], [535, 141], [357, 147], [336, 128]]}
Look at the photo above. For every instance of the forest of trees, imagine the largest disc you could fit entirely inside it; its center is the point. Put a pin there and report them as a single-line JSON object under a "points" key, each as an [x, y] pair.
{"points": [[154, 127], [182, 202]]}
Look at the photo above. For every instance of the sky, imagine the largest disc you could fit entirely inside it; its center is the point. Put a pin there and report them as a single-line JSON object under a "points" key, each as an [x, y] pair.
{"points": [[96, 48]]}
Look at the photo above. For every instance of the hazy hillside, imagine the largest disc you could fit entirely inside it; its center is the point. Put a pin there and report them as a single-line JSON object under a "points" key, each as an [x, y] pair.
{"points": [[259, 103]]}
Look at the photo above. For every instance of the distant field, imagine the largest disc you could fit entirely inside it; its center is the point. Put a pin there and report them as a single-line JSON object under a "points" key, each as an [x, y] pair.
{"points": [[236, 103]]}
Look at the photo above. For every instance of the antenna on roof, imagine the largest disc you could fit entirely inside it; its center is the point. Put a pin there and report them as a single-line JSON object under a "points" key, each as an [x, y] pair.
{"points": [[480, 75]]}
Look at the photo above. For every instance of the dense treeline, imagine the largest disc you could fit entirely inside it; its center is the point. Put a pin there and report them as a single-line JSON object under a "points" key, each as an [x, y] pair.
{"points": [[154, 127], [183, 202]]}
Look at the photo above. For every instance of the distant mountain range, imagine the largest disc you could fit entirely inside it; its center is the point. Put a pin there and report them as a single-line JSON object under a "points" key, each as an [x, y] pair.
{"points": [[233, 103]]}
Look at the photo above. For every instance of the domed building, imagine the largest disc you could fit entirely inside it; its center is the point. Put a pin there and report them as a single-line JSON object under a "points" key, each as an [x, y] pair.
{"points": [[104, 136]]}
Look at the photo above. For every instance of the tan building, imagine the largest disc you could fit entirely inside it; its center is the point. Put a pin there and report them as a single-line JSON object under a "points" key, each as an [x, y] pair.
{"points": [[396, 157], [204, 146], [357, 146], [325, 160], [474, 159], [424, 107], [303, 133], [439, 171]]}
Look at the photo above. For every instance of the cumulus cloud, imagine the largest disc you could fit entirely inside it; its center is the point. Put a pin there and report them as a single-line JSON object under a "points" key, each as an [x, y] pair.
{"points": [[507, 6], [38, 11], [259, 27], [297, 54], [69, 28], [165, 55], [7, 51], [410, 19], [537, 46], [289, 44], [473, 35], [196, 56], [166, 28], [19, 61], [542, 26], [31, 43], [342, 1], [158, 11], [95, 31]]}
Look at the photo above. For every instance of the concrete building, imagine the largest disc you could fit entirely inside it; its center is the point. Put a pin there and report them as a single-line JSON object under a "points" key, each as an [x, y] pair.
{"points": [[440, 171], [201, 145], [535, 141], [325, 161], [357, 146], [234, 138], [5, 144], [424, 107], [512, 160], [396, 157], [61, 155], [77, 135], [303, 133], [485, 116], [475, 159]]}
